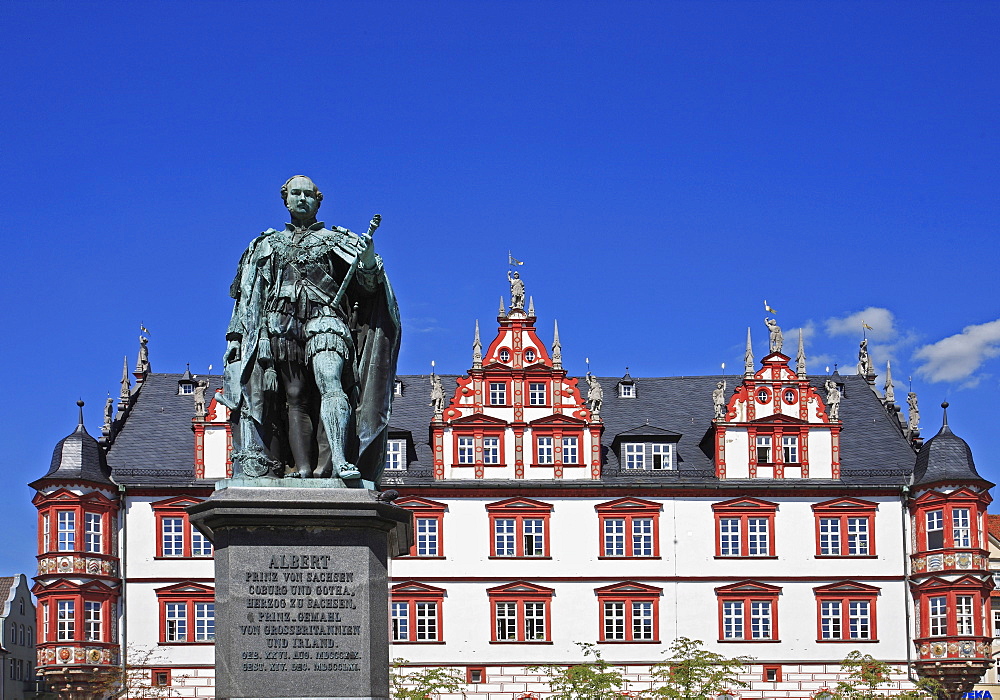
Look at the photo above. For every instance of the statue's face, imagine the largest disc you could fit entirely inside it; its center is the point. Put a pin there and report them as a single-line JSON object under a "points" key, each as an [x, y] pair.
{"points": [[301, 200]]}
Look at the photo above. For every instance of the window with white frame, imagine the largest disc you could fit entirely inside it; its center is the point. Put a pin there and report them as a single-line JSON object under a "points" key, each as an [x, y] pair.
{"points": [[529, 355], [417, 619], [571, 450], [92, 621], [935, 529], [498, 393], [400, 621], [625, 620], [201, 546], [65, 620], [937, 614], [92, 532], [491, 450], [647, 455], [506, 620], [731, 537], [536, 393], [66, 530], [534, 621], [963, 615], [46, 533], [175, 618], [626, 391], [172, 536], [204, 622], [764, 449], [996, 622], [505, 531], [830, 540], [395, 455], [961, 531], [427, 536], [790, 449], [546, 454], [466, 450], [628, 537]]}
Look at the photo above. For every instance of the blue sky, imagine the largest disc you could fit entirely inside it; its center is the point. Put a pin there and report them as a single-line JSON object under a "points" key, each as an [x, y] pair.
{"points": [[661, 168]]}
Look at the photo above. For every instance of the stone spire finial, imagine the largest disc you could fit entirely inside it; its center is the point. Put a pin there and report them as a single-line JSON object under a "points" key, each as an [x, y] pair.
{"points": [[556, 348], [531, 306], [800, 358], [890, 392], [477, 350], [126, 384], [748, 358], [503, 308]]}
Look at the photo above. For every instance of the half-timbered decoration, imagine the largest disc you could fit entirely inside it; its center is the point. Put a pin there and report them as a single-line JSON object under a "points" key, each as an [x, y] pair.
{"points": [[768, 514]]}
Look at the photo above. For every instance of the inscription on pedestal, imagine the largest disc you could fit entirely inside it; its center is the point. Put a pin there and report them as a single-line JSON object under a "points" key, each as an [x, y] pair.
{"points": [[301, 615]]}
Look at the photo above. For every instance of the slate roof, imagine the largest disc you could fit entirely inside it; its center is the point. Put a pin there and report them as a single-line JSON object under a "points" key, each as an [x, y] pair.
{"points": [[993, 525], [156, 443], [6, 584], [946, 457], [77, 457]]}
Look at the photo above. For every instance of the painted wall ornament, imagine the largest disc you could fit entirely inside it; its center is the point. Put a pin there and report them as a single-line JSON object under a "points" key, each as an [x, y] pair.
{"points": [[595, 396], [312, 348], [832, 400], [777, 339], [719, 400]]}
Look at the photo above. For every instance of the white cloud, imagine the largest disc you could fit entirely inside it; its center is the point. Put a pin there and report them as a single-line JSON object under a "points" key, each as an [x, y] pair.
{"points": [[882, 321], [956, 357]]}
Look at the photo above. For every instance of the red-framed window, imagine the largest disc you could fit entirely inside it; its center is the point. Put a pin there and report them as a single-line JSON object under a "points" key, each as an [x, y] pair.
{"points": [[949, 521], [630, 612], [520, 613], [629, 528], [68, 522], [159, 676], [415, 612], [953, 608], [519, 528], [428, 526], [498, 392], [538, 393], [176, 538], [748, 612], [475, 674], [70, 613], [845, 612], [744, 527], [845, 527], [771, 673], [557, 441], [484, 447], [187, 613]]}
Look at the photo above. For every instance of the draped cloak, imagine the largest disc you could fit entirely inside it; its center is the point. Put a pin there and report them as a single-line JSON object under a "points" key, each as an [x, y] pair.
{"points": [[262, 313]]}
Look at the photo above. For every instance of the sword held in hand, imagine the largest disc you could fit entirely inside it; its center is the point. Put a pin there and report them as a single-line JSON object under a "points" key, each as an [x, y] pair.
{"points": [[372, 227]]}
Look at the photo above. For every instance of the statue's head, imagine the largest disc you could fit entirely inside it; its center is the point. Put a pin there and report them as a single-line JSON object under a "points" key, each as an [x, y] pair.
{"points": [[301, 197], [517, 275], [720, 385]]}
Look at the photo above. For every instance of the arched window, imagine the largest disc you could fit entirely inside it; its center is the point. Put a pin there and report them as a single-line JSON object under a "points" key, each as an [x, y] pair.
{"points": [[31, 640], [21, 636]]}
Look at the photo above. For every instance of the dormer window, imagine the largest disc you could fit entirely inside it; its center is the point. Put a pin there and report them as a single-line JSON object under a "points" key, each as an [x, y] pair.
{"points": [[529, 355], [647, 455], [397, 388], [504, 356], [395, 455], [626, 391], [187, 388]]}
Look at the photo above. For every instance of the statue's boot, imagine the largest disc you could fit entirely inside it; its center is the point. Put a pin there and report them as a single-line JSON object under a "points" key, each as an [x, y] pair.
{"points": [[335, 412]]}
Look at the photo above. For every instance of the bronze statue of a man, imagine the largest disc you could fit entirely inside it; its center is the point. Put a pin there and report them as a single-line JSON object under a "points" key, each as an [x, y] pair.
{"points": [[312, 349]]}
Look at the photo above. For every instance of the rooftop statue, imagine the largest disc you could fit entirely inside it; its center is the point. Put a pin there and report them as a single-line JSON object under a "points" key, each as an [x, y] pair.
{"points": [[516, 291], [437, 394], [864, 360], [595, 396], [719, 400], [312, 349], [832, 400], [777, 338]]}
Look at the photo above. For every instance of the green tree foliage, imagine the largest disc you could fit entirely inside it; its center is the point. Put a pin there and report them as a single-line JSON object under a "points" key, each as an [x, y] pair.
{"points": [[865, 674], [423, 685], [693, 673], [590, 680]]}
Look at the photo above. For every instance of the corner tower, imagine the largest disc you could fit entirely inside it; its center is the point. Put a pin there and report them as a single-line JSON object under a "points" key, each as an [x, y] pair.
{"points": [[78, 582], [950, 580]]}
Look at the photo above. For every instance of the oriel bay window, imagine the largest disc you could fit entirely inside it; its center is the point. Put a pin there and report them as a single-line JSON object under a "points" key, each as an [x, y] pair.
{"points": [[629, 612], [187, 613], [176, 537], [953, 608], [69, 522], [950, 522], [520, 612], [845, 527], [629, 527], [748, 612], [744, 527], [428, 526], [416, 613], [846, 612], [76, 614], [519, 528]]}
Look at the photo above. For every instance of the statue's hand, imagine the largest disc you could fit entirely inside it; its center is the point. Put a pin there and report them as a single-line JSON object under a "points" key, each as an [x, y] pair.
{"points": [[232, 351], [366, 251], [374, 224]]}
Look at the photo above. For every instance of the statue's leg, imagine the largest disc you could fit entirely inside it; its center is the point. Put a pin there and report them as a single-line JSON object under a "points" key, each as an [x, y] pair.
{"points": [[300, 426], [334, 410]]}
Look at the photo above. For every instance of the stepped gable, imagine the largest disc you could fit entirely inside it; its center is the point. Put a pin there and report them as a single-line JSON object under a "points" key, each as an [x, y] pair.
{"points": [[873, 450], [946, 458], [156, 443], [77, 457]]}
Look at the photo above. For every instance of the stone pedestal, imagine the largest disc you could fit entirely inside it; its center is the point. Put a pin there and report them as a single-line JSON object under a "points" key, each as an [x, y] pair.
{"points": [[301, 588]]}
